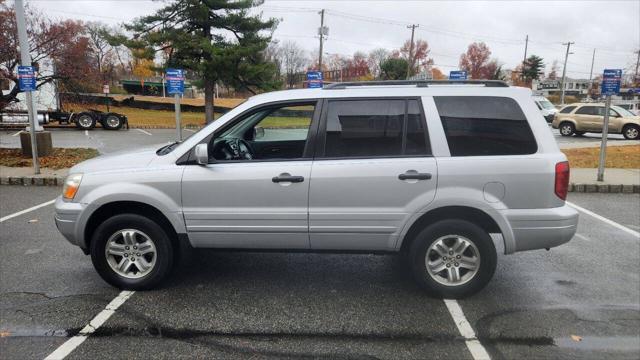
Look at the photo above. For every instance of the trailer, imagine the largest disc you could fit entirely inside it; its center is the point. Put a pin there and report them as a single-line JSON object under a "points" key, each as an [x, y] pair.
{"points": [[85, 120]]}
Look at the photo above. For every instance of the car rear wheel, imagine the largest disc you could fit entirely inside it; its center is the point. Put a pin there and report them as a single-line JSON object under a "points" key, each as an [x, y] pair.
{"points": [[131, 252], [113, 122], [631, 132], [85, 121], [567, 129], [453, 258]]}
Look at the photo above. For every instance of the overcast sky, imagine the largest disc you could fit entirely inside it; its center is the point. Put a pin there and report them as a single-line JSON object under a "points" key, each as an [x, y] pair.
{"points": [[612, 27]]}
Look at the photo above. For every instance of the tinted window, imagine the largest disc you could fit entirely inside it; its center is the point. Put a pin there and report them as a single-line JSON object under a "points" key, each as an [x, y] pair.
{"points": [[416, 143], [482, 125], [567, 109], [365, 128], [587, 110]]}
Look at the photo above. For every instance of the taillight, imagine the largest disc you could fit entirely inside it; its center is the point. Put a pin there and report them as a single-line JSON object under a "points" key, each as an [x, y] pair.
{"points": [[562, 179]]}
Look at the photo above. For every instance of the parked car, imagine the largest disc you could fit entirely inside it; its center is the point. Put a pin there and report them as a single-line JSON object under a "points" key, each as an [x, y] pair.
{"points": [[547, 109], [426, 172], [580, 118]]}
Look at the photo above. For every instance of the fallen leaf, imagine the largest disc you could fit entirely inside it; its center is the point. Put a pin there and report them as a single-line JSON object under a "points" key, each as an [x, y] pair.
{"points": [[33, 221], [576, 338], [4, 333]]}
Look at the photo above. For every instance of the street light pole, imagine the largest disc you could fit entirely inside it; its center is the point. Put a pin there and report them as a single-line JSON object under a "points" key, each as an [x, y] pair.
{"points": [[321, 33], [25, 60], [593, 58], [564, 71]]}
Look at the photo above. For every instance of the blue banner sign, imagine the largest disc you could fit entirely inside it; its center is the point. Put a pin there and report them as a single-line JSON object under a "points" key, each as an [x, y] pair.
{"points": [[314, 79], [175, 81], [611, 79], [457, 75], [27, 78]]}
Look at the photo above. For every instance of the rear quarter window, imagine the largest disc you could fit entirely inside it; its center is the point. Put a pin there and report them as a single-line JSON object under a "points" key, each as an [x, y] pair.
{"points": [[485, 125], [567, 109]]}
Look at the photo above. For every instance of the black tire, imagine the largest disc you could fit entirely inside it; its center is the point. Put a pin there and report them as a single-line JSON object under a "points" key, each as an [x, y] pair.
{"points": [[567, 129], [85, 121], [440, 230], [164, 251], [631, 132], [112, 122]]}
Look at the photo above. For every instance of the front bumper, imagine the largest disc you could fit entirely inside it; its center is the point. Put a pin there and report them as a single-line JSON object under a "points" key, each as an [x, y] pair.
{"points": [[67, 215], [542, 228]]}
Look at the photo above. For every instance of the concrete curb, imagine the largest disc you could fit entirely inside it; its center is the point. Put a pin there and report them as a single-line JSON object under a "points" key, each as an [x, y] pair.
{"points": [[578, 188]]}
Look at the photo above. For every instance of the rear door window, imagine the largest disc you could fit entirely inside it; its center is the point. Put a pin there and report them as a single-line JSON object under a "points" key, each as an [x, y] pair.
{"points": [[485, 125], [588, 110], [375, 127], [567, 109]]}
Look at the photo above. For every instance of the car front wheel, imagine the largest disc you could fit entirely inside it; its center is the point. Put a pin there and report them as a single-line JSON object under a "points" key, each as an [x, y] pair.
{"points": [[453, 258], [131, 252]]}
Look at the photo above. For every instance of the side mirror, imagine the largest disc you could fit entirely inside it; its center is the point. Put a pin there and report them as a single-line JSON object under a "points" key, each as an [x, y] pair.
{"points": [[258, 132], [202, 154]]}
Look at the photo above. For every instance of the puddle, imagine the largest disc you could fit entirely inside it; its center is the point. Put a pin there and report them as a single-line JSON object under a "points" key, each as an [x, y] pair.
{"points": [[611, 343]]}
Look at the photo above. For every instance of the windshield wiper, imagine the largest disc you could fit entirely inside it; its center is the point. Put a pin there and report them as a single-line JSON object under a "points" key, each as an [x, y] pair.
{"points": [[167, 148]]}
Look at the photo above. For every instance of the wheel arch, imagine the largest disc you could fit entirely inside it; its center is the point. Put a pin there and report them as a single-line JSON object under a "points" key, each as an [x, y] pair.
{"points": [[468, 213], [113, 208]]}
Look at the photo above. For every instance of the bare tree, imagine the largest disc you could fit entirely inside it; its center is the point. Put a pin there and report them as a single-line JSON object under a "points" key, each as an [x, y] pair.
{"points": [[375, 59], [294, 60]]}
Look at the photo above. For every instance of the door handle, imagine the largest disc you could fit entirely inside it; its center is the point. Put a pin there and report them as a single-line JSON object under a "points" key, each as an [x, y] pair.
{"points": [[287, 178], [414, 176]]}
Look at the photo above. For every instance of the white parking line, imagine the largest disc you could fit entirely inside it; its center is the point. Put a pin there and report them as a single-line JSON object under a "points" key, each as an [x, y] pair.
{"points": [[65, 349], [187, 129], [86, 133], [478, 352], [16, 134], [2, 219], [604, 219], [145, 132]]}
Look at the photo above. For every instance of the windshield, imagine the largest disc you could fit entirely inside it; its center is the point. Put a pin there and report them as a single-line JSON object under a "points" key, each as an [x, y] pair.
{"points": [[546, 104], [622, 111]]}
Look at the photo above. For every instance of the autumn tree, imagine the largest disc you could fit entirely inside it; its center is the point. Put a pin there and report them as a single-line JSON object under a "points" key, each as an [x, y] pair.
{"points": [[61, 43], [216, 39], [476, 61], [293, 59], [437, 74], [419, 57]]}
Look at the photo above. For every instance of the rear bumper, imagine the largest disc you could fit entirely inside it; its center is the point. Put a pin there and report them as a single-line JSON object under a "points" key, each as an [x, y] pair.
{"points": [[542, 228]]}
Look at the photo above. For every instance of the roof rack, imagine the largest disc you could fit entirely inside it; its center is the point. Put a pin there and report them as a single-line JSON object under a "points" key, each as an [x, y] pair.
{"points": [[417, 83]]}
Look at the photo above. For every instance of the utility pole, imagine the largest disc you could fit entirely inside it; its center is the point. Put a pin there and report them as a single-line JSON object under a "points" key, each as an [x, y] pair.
{"points": [[636, 80], [413, 30], [564, 71], [524, 60], [25, 60], [321, 33], [593, 58]]}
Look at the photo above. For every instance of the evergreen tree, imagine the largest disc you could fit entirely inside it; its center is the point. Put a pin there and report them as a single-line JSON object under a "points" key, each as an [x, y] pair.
{"points": [[216, 39], [533, 68]]}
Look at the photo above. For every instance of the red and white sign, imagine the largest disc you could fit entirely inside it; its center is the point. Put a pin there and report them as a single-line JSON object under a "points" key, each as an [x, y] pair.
{"points": [[105, 89]]}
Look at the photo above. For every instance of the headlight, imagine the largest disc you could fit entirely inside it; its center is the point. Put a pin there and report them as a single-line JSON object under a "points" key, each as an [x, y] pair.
{"points": [[71, 186]]}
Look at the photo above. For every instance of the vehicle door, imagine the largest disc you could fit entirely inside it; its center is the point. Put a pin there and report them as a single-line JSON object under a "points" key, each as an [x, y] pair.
{"points": [[254, 192], [373, 169], [586, 118]]}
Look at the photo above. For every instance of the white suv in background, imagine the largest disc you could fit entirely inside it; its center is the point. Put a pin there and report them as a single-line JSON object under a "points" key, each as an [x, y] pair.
{"points": [[547, 109], [424, 169]]}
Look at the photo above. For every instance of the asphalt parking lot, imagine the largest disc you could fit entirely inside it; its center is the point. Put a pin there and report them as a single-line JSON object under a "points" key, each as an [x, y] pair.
{"points": [[272, 305]]}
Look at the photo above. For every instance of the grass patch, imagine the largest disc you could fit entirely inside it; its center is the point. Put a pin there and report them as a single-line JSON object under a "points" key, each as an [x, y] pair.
{"points": [[622, 157], [59, 159]]}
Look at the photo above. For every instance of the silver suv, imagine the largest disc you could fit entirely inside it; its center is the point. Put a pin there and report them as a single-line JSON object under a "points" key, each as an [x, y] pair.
{"points": [[427, 170]]}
